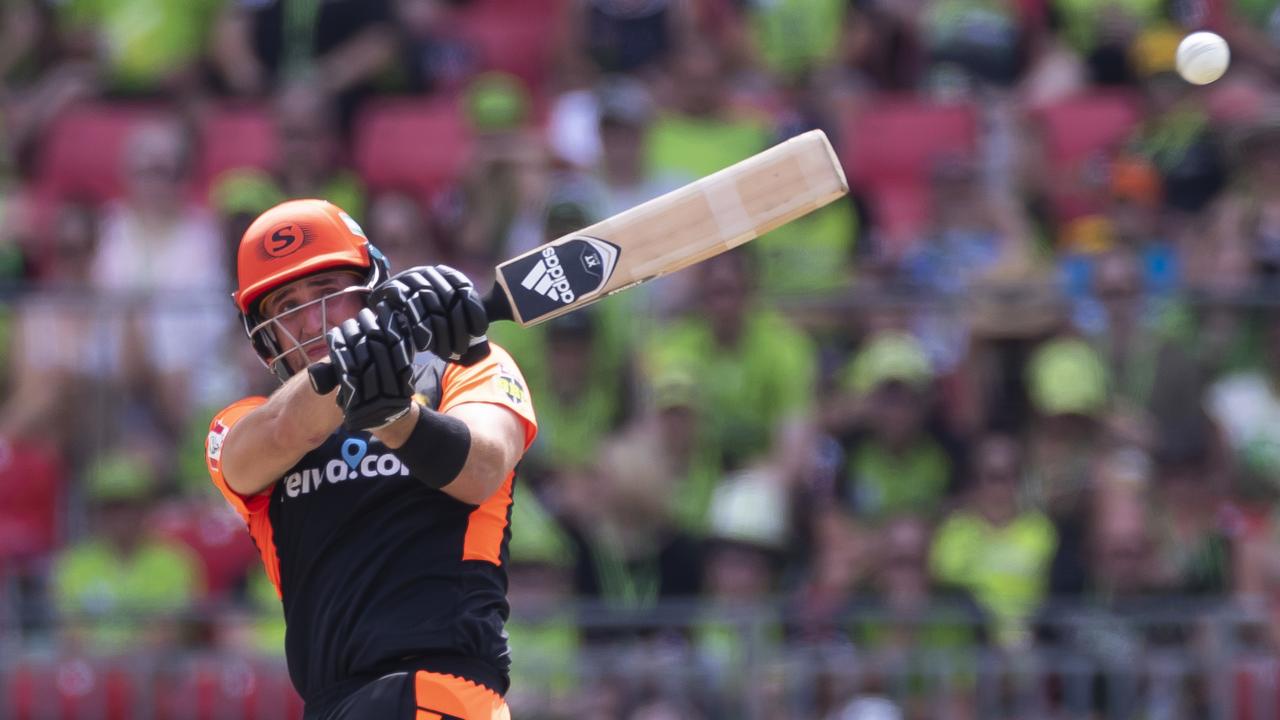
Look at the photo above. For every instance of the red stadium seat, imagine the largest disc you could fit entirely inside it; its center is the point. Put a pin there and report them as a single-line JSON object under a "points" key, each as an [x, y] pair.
{"points": [[208, 687], [68, 689], [415, 146], [515, 36], [216, 535], [898, 140], [1078, 127], [902, 212], [1078, 135], [889, 149], [31, 486], [81, 155], [234, 137]]}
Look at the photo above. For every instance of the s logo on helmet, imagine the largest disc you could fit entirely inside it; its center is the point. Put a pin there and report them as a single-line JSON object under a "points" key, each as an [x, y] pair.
{"points": [[284, 239]]}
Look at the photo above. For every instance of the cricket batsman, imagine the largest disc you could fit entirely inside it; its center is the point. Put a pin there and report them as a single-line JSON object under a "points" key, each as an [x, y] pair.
{"points": [[380, 508]]}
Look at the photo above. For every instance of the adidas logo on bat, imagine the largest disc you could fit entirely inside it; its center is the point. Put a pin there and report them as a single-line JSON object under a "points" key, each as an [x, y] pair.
{"points": [[547, 278]]}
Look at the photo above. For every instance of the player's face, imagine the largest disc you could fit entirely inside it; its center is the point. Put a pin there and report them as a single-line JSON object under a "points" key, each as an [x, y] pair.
{"points": [[304, 310]]}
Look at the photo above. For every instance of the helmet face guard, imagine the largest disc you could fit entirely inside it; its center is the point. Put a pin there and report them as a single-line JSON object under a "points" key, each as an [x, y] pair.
{"points": [[274, 343]]}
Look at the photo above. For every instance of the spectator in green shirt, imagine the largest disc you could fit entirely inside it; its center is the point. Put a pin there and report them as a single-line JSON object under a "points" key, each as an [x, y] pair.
{"points": [[120, 586], [997, 551], [754, 370], [698, 134], [893, 459], [143, 45], [795, 37]]}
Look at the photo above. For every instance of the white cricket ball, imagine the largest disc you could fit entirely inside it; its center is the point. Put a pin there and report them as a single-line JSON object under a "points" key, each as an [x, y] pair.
{"points": [[1202, 57]]}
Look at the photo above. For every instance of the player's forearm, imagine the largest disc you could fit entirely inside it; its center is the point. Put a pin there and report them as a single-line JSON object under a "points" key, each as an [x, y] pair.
{"points": [[487, 466], [301, 419], [268, 441], [467, 452]]}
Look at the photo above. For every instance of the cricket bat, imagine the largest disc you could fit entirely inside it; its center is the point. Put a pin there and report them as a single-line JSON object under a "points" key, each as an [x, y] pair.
{"points": [[688, 225]]}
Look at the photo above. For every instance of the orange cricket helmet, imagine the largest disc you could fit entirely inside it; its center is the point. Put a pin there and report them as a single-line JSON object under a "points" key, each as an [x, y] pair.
{"points": [[288, 242]]}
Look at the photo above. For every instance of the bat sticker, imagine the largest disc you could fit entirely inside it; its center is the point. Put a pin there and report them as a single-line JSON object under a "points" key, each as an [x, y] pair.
{"points": [[560, 274]]}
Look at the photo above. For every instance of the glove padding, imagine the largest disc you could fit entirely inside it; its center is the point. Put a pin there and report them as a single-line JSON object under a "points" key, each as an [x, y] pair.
{"points": [[373, 360], [445, 314]]}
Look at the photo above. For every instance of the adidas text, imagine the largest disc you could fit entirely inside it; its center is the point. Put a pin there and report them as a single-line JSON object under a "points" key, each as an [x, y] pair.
{"points": [[547, 278]]}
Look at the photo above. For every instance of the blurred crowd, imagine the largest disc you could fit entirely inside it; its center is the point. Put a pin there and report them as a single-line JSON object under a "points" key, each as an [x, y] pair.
{"points": [[1029, 370]]}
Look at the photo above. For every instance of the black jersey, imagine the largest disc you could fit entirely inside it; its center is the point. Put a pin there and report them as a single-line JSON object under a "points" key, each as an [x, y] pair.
{"points": [[376, 570]]}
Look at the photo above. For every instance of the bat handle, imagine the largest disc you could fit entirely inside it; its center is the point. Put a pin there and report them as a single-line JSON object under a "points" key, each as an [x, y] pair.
{"points": [[496, 307], [323, 378]]}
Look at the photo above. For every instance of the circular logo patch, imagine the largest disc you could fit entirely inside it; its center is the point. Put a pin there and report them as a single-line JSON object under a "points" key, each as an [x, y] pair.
{"points": [[283, 239]]}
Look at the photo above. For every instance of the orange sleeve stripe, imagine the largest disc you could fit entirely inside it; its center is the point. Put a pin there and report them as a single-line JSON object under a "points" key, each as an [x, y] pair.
{"points": [[218, 430], [252, 509], [495, 380], [264, 538], [487, 525]]}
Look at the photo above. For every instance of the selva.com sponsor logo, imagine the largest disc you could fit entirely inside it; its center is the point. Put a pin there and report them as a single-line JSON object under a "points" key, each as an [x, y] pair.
{"points": [[356, 463]]}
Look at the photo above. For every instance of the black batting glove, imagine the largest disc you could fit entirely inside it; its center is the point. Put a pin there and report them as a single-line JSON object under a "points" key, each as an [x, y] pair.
{"points": [[445, 313], [373, 360]]}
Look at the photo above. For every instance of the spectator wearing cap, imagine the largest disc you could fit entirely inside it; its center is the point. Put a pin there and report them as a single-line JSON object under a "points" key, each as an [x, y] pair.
{"points": [[511, 182], [892, 459], [755, 371], [996, 550], [121, 586], [747, 540], [1068, 386]]}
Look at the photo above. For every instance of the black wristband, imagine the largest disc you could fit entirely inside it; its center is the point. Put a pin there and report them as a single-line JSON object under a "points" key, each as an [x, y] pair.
{"points": [[436, 449]]}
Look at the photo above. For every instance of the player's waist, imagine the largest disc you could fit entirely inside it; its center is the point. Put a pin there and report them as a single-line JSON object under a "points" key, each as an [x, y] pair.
{"points": [[468, 668]]}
